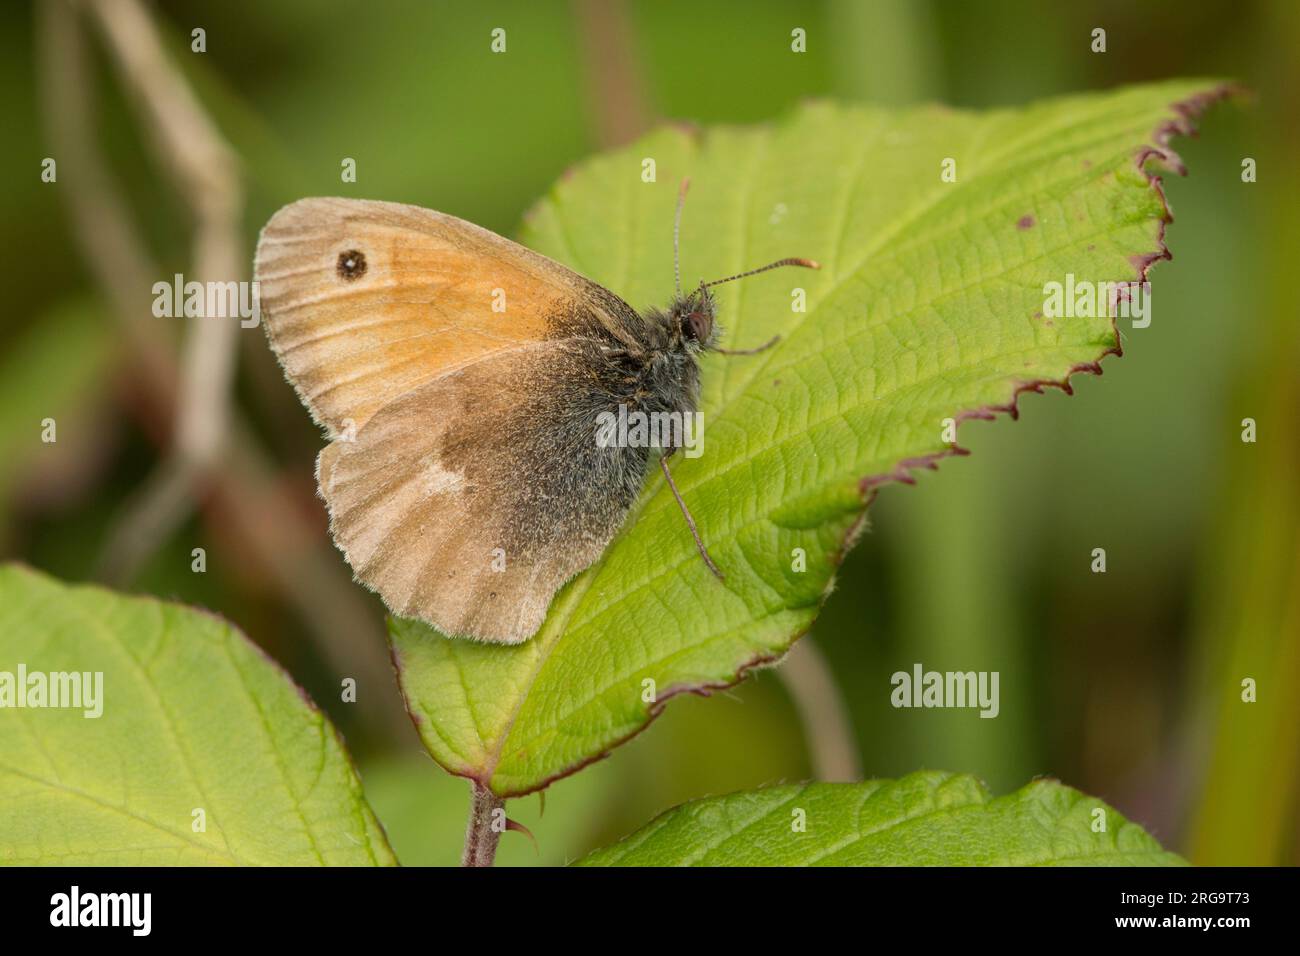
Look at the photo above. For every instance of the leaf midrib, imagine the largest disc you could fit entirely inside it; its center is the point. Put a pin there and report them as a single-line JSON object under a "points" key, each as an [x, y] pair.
{"points": [[63, 788]]}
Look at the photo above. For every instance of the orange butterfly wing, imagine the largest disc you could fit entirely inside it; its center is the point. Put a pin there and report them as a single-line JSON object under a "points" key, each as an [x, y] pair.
{"points": [[430, 294]]}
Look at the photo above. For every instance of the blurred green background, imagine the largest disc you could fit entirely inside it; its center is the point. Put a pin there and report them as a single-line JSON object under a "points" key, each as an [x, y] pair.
{"points": [[1126, 685]]}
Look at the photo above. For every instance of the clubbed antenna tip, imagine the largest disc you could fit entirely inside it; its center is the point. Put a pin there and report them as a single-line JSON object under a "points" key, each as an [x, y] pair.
{"points": [[803, 263]]}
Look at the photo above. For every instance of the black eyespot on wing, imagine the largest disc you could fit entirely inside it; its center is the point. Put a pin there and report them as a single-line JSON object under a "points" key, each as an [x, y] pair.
{"points": [[352, 265]]}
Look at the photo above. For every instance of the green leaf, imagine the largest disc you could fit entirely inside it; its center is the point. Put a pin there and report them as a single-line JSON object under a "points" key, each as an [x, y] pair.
{"points": [[194, 717], [929, 306], [924, 819]]}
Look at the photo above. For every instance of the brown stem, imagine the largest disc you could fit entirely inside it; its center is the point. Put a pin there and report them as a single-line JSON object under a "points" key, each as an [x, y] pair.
{"points": [[827, 728], [483, 832], [248, 496], [618, 99], [204, 171]]}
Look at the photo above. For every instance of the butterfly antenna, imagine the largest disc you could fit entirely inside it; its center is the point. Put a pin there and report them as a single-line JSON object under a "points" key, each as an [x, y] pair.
{"points": [[804, 263], [677, 230]]}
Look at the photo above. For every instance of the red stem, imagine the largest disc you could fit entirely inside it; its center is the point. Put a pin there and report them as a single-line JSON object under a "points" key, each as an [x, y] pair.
{"points": [[481, 835]]}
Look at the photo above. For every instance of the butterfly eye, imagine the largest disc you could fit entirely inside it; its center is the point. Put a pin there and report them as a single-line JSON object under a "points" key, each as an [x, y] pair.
{"points": [[352, 264], [697, 326]]}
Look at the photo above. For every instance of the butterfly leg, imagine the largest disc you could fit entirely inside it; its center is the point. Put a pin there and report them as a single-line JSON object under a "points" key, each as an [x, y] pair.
{"points": [[762, 348], [690, 522]]}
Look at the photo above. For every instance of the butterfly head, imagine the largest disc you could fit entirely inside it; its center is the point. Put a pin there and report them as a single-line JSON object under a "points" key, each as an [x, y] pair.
{"points": [[693, 316]]}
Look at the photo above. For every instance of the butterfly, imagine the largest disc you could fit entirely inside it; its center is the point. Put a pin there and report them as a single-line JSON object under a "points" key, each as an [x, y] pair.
{"points": [[460, 378]]}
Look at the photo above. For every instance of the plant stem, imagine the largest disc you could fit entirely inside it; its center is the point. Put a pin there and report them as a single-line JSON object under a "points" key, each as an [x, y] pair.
{"points": [[480, 836], [827, 728]]}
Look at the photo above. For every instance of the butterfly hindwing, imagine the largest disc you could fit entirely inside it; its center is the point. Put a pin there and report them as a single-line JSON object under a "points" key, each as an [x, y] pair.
{"points": [[471, 499]]}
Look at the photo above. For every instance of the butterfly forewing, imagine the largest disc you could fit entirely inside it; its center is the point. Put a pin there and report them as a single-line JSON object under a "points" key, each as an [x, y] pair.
{"points": [[364, 301]]}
